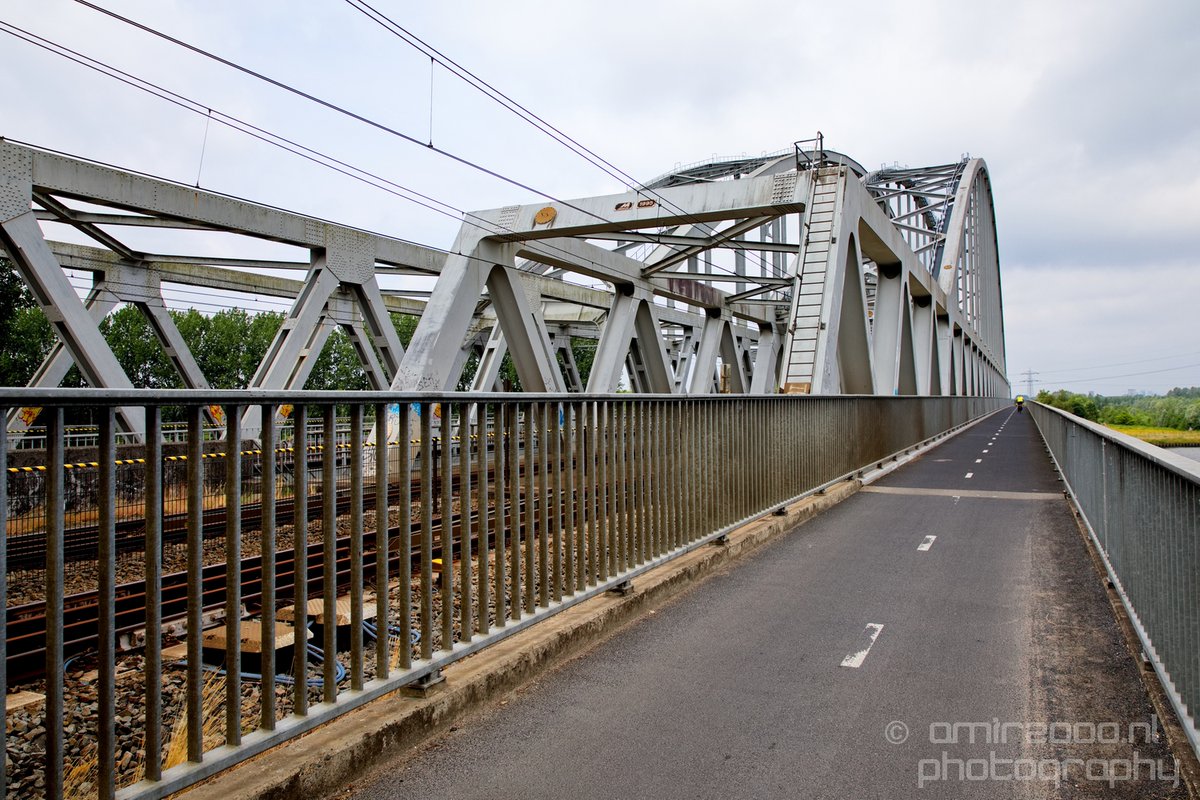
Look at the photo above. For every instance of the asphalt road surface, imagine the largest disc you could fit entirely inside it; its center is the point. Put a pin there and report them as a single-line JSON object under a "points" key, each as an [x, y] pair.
{"points": [[941, 634]]}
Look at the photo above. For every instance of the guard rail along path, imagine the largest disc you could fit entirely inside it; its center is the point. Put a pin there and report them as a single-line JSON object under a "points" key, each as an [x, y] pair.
{"points": [[546, 500], [1141, 507]]}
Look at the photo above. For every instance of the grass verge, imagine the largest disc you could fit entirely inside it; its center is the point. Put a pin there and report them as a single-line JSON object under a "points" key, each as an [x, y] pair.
{"points": [[1163, 437]]}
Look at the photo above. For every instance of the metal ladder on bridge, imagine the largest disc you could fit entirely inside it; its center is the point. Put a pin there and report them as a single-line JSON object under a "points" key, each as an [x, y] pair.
{"points": [[808, 291]]}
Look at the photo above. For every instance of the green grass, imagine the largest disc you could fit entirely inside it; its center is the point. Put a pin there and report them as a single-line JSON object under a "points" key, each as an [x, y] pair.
{"points": [[1163, 437]]}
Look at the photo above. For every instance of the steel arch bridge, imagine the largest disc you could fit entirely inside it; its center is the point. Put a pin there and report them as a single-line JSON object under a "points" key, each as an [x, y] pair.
{"points": [[795, 272]]}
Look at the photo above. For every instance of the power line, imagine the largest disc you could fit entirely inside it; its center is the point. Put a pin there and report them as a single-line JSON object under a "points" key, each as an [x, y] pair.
{"points": [[460, 72], [490, 91], [276, 140], [493, 93], [1128, 374], [336, 108], [256, 132], [1123, 363]]}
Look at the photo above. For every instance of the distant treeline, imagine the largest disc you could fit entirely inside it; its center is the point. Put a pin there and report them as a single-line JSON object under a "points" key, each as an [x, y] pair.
{"points": [[1179, 409]]}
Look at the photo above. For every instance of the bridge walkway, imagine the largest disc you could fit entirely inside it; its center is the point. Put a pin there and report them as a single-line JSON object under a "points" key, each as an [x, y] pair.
{"points": [[836, 662]]}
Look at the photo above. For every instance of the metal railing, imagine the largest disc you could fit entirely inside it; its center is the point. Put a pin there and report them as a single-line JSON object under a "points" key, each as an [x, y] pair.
{"points": [[172, 433], [810, 158], [1141, 506], [426, 553]]}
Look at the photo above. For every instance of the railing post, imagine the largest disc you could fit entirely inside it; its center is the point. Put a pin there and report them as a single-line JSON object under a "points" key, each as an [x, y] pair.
{"points": [[233, 575], [54, 603], [267, 568], [106, 691]]}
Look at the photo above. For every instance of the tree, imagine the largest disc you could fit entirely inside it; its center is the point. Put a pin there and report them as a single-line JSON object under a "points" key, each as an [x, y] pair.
{"points": [[406, 325], [138, 350], [338, 367], [584, 351], [1078, 404], [25, 334]]}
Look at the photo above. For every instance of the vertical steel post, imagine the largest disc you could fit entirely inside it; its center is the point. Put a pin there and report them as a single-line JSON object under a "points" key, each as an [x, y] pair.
{"points": [[648, 470], [329, 552], [426, 531], [484, 506], [382, 526], [195, 570], [581, 515], [357, 465], [300, 559], [233, 577], [543, 515], [514, 510], [531, 522], [570, 496], [555, 506], [466, 602], [106, 624], [153, 575], [603, 489], [502, 478], [447, 530], [404, 557], [55, 511], [614, 529], [592, 464], [266, 550], [621, 483]]}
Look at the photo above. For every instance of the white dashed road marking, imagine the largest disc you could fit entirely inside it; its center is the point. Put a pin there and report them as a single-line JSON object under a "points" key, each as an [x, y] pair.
{"points": [[869, 635], [925, 545]]}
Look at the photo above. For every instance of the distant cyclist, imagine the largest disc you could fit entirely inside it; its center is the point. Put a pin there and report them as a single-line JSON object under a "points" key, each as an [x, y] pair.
{"points": [[1020, 403]]}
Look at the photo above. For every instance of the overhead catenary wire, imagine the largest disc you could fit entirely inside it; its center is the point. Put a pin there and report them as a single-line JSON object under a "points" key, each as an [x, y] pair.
{"points": [[490, 91], [276, 140], [231, 121], [338, 108], [460, 72], [267, 137], [464, 74], [263, 135]]}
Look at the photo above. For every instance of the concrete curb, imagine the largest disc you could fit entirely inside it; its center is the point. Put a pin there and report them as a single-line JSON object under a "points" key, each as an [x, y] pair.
{"points": [[343, 751]]}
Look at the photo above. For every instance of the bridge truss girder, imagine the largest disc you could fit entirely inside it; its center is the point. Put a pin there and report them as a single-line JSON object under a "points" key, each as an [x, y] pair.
{"points": [[764, 278]]}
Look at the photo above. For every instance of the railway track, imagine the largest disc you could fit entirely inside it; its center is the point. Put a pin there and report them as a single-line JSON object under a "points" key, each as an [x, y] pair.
{"points": [[81, 543], [26, 642]]}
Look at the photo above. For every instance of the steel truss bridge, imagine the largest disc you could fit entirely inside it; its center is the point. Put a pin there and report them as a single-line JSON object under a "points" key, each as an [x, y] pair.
{"points": [[795, 272]]}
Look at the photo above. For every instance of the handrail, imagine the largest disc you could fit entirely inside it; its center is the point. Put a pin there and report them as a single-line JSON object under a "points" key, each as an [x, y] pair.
{"points": [[1141, 507], [805, 159]]}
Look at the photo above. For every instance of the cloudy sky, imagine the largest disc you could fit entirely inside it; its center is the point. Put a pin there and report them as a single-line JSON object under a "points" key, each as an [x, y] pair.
{"points": [[1088, 114]]}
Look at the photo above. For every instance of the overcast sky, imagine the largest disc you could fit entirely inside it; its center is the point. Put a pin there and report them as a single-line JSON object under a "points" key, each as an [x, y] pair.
{"points": [[1088, 114]]}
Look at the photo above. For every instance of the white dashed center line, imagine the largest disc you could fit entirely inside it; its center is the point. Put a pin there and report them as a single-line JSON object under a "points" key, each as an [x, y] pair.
{"points": [[970, 474], [869, 635], [979, 461], [925, 545]]}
